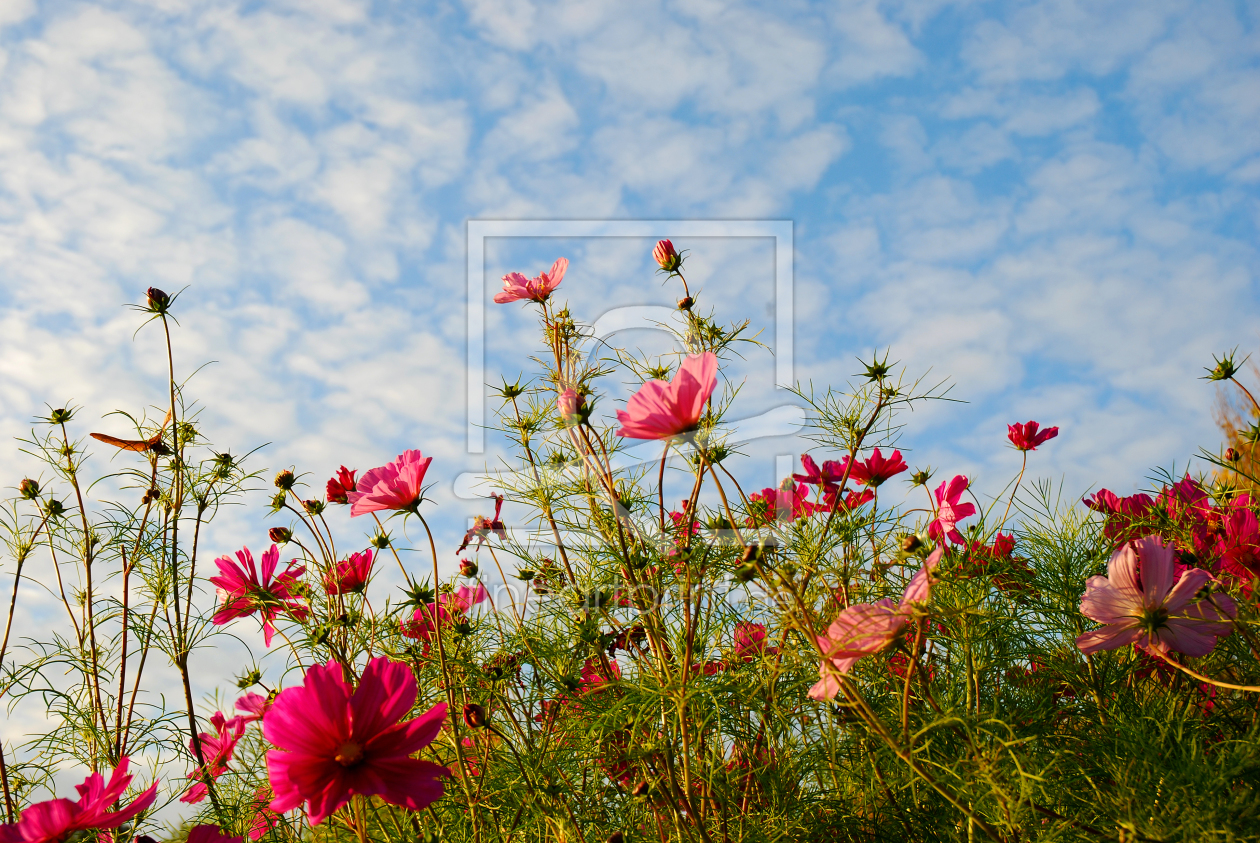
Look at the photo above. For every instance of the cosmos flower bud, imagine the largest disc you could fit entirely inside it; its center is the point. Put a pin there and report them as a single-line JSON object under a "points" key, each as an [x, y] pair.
{"points": [[280, 535], [474, 716], [313, 507], [467, 568], [1230, 454], [60, 416], [54, 508], [285, 480], [911, 543], [158, 300], [29, 489], [667, 256], [641, 789], [685, 303], [921, 477]]}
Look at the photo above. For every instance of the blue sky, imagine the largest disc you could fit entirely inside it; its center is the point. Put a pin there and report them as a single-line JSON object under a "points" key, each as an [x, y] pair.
{"points": [[1052, 204]]}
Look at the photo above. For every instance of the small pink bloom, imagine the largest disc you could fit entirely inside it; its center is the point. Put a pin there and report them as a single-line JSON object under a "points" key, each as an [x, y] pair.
{"points": [[264, 819], [210, 834], [333, 742], [216, 750], [660, 410], [254, 706], [464, 598], [243, 592], [866, 628], [340, 487], [397, 485], [351, 575], [516, 287], [1138, 603], [874, 471], [789, 502], [949, 511], [830, 474], [750, 641], [1025, 436], [56, 819], [593, 680], [568, 403]]}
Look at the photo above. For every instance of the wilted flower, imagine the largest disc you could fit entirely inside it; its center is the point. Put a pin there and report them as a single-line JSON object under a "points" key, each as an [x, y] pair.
{"points": [[483, 527], [1025, 436], [397, 485], [516, 287], [866, 628], [950, 511], [334, 742], [1139, 603], [55, 820], [244, 592], [660, 410]]}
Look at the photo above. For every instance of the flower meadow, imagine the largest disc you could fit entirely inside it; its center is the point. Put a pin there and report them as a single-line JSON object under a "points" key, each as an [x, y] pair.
{"points": [[640, 649]]}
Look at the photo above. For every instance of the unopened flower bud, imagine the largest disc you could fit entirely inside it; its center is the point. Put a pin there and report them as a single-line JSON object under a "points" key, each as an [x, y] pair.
{"points": [[525, 575], [29, 489], [54, 508], [158, 300], [313, 507], [641, 789], [380, 541], [285, 480], [667, 256], [474, 716], [280, 535], [467, 568], [1231, 455], [151, 495], [921, 477], [685, 303], [911, 543], [61, 415]]}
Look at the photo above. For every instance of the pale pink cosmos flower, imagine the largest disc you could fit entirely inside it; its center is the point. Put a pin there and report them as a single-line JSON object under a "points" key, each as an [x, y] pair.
{"points": [[244, 592], [516, 287], [660, 410], [464, 598], [56, 819], [1139, 603], [254, 706], [949, 511], [866, 628], [397, 485], [334, 742]]}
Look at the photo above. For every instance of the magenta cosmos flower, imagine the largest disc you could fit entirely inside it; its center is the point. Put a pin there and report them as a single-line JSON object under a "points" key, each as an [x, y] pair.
{"points": [[341, 486], [660, 410], [398, 485], [876, 470], [949, 511], [1139, 603], [210, 834], [216, 748], [866, 628], [1025, 436], [244, 592], [351, 575], [516, 287], [55, 820], [333, 742]]}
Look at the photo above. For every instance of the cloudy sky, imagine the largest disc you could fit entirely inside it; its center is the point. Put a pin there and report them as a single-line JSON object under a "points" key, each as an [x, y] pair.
{"points": [[1052, 204]]}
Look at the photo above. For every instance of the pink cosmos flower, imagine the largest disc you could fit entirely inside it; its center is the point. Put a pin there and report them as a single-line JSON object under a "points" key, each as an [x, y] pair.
{"points": [[851, 500], [244, 593], [568, 403], [874, 471], [789, 502], [750, 641], [254, 706], [660, 410], [949, 511], [56, 819], [264, 819], [1025, 436], [397, 485], [210, 834], [216, 750], [464, 598], [1139, 603], [666, 255], [830, 474], [341, 486], [334, 742], [866, 628], [351, 575], [516, 287]]}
